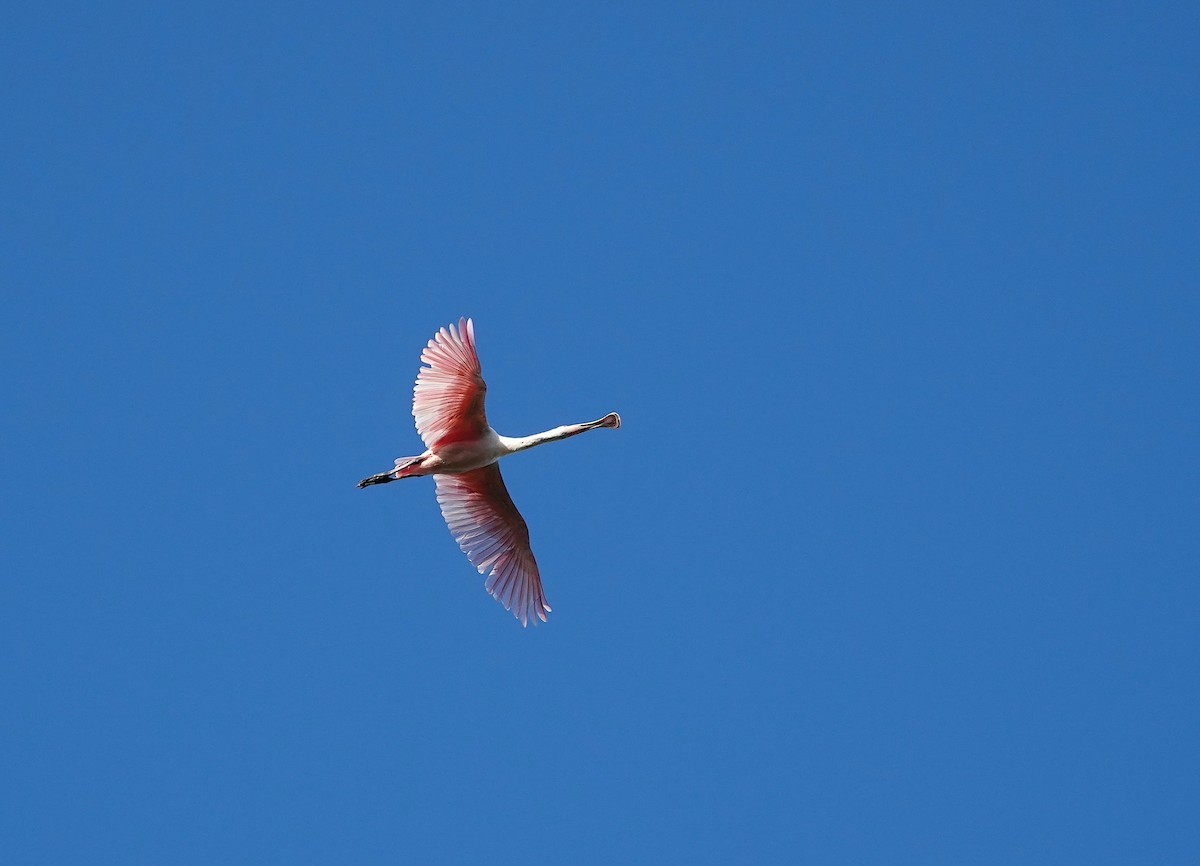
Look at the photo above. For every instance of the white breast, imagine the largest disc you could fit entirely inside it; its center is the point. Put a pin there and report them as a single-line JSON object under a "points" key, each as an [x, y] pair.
{"points": [[465, 456]]}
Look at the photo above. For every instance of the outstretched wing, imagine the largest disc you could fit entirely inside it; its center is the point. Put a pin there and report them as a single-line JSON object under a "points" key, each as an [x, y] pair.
{"points": [[491, 532], [448, 397]]}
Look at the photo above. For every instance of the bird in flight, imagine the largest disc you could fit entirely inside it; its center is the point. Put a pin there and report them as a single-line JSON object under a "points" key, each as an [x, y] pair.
{"points": [[462, 454]]}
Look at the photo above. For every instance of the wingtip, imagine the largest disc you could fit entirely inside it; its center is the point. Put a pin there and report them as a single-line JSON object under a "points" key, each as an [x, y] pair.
{"points": [[462, 331]]}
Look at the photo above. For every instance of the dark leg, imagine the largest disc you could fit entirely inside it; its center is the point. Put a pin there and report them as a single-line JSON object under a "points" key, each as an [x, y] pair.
{"points": [[394, 475]]}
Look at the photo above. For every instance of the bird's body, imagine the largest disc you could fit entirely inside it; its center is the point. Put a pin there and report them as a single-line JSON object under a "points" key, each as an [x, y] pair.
{"points": [[461, 453]]}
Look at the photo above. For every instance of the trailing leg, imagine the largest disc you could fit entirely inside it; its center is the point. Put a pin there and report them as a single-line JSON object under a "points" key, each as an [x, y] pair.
{"points": [[401, 471]]}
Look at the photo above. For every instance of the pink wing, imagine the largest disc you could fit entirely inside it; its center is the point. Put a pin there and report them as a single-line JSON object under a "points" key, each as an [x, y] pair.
{"points": [[491, 532], [448, 397]]}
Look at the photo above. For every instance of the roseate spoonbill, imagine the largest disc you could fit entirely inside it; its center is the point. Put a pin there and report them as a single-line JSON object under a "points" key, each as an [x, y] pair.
{"points": [[462, 454]]}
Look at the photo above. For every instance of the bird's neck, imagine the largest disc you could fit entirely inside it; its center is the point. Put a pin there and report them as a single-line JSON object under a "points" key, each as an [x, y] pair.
{"points": [[524, 443]]}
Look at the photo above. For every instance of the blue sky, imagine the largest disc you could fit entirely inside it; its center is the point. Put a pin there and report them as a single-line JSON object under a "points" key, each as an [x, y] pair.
{"points": [[893, 561]]}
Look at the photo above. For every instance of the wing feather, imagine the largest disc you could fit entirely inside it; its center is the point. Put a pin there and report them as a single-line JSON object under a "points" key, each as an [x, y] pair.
{"points": [[491, 532], [449, 394]]}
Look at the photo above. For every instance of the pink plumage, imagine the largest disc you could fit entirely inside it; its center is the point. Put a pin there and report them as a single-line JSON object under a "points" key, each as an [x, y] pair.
{"points": [[491, 532], [448, 397], [462, 454]]}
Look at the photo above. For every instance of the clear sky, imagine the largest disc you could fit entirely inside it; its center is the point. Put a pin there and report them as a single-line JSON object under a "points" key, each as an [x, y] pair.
{"points": [[894, 559]]}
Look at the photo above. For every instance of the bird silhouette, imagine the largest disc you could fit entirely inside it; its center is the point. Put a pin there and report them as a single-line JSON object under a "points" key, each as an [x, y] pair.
{"points": [[462, 454]]}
